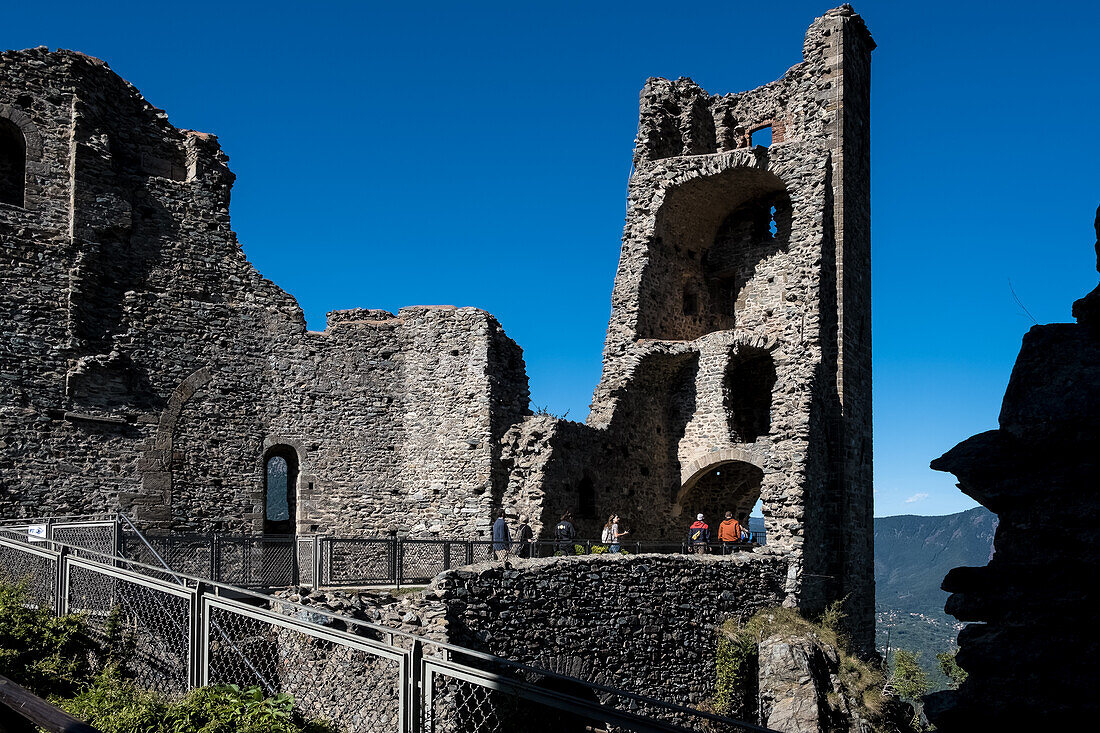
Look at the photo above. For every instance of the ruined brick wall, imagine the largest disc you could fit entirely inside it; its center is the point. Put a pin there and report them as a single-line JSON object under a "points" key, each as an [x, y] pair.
{"points": [[737, 361], [148, 366]]}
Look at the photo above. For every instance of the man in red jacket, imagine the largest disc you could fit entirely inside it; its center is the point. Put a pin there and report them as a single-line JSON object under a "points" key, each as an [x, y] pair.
{"points": [[699, 535]]}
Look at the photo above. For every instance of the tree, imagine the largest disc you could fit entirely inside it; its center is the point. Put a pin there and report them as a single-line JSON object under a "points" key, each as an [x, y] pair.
{"points": [[955, 674], [907, 677]]}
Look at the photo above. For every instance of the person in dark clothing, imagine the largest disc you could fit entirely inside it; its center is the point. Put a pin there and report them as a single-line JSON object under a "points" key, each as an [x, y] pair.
{"points": [[699, 536], [502, 538], [524, 535], [564, 533]]}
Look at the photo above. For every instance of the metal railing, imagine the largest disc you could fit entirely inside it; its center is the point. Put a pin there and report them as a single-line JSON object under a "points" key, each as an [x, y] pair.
{"points": [[265, 561], [187, 631]]}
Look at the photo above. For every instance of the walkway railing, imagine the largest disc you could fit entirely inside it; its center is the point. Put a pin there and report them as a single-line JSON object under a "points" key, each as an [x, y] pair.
{"points": [[265, 561], [189, 631]]}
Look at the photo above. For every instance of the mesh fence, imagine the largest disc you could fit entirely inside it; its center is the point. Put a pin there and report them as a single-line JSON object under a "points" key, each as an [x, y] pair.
{"points": [[359, 562], [305, 548], [89, 536], [148, 626], [35, 571], [255, 562], [355, 689]]}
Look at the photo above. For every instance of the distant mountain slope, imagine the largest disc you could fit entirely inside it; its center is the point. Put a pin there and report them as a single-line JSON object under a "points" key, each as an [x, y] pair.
{"points": [[912, 554]]}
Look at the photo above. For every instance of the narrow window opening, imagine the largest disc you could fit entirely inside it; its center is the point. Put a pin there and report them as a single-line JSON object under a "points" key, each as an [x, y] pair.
{"points": [[749, 383], [772, 228], [280, 480], [586, 498], [762, 137], [13, 163]]}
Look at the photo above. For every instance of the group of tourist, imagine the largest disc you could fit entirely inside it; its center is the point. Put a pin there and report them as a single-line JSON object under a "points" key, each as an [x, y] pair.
{"points": [[731, 532]]}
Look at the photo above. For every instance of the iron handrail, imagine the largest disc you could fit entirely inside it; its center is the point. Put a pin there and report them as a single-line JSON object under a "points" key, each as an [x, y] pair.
{"points": [[414, 638]]}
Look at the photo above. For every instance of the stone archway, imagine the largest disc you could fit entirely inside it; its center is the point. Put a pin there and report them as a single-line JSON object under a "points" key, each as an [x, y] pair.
{"points": [[721, 481]]}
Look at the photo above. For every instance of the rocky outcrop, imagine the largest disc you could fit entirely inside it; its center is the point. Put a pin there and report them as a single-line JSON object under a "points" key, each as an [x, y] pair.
{"points": [[1030, 651]]}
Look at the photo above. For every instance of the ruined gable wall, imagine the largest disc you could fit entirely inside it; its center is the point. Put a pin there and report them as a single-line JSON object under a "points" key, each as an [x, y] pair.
{"points": [[156, 366]]}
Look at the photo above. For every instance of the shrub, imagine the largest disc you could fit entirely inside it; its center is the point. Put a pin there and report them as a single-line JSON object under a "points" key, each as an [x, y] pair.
{"points": [[955, 674], [46, 654], [117, 705]]}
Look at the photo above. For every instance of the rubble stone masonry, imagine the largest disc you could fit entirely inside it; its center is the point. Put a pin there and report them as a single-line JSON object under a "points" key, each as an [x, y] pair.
{"points": [[147, 366]]}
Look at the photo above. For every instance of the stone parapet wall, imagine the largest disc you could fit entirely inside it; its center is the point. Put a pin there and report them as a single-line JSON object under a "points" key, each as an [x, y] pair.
{"points": [[644, 623]]}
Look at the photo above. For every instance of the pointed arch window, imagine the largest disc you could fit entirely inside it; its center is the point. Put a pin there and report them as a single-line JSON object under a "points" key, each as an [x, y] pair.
{"points": [[280, 484]]}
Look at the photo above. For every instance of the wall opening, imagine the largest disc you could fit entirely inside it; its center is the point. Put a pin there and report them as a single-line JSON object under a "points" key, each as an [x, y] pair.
{"points": [[280, 490], [733, 486], [586, 499], [748, 386], [13, 163], [713, 234], [762, 137]]}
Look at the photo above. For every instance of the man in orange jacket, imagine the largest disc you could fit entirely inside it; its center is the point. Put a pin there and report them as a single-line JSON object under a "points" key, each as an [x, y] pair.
{"points": [[729, 533]]}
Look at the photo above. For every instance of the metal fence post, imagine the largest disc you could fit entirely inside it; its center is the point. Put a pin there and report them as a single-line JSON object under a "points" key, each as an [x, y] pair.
{"points": [[61, 585], [415, 688], [318, 561], [214, 556], [398, 561], [197, 638]]}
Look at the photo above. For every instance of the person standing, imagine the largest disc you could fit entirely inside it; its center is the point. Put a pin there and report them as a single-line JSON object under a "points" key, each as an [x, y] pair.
{"points": [[616, 545], [524, 536], [502, 538], [699, 535], [564, 533], [729, 533]]}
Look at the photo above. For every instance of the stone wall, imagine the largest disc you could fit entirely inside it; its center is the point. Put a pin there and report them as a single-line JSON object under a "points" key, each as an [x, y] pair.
{"points": [[1030, 649], [643, 623], [147, 366]]}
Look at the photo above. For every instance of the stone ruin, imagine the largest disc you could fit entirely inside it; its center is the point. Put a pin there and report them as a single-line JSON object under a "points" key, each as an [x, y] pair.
{"points": [[1030, 649], [147, 366]]}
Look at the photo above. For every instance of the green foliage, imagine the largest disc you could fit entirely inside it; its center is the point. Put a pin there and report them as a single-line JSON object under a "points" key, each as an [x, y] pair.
{"points": [[907, 677], [735, 660], [45, 654], [599, 550], [545, 410], [57, 659], [737, 657], [955, 674], [116, 705]]}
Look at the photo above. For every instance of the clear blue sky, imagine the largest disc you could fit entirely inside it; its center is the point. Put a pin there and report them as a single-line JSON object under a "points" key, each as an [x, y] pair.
{"points": [[477, 154]]}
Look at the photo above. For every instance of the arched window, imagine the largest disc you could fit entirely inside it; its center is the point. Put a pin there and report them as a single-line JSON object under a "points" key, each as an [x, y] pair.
{"points": [[13, 163], [280, 480]]}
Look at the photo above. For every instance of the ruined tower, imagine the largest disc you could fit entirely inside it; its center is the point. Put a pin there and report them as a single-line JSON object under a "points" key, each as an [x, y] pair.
{"points": [[737, 365], [744, 281]]}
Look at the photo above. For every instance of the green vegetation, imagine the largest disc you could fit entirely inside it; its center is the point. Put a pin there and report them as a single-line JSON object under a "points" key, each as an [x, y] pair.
{"points": [[737, 658], [907, 677], [115, 705], [58, 659], [955, 674]]}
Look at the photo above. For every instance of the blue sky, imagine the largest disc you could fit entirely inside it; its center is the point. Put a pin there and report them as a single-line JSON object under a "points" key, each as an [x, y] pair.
{"points": [[477, 154]]}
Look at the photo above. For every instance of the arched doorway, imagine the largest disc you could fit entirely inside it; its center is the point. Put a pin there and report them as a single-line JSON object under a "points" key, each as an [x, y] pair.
{"points": [[280, 490], [723, 486]]}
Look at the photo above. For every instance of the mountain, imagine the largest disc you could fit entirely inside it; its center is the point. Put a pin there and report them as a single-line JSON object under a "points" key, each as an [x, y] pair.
{"points": [[912, 554]]}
